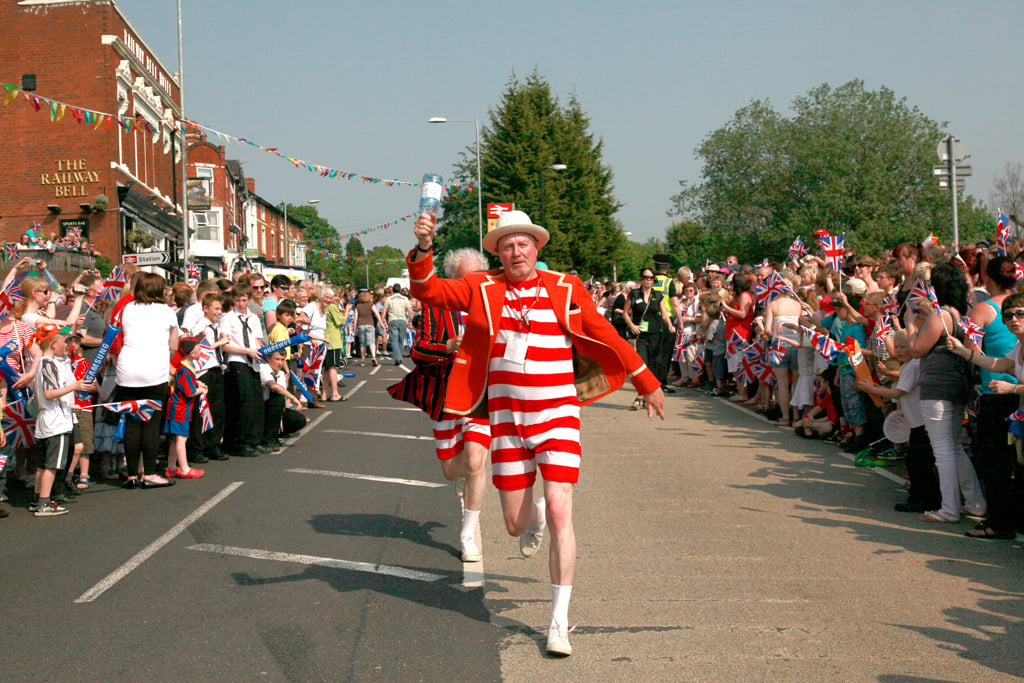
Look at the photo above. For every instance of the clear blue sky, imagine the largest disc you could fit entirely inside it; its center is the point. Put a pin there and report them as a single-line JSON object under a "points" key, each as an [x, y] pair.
{"points": [[351, 85]]}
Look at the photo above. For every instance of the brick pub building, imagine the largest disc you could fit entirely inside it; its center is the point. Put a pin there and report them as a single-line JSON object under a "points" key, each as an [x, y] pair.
{"points": [[123, 188]]}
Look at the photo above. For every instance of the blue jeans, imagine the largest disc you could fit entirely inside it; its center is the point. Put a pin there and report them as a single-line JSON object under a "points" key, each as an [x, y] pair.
{"points": [[396, 333]]}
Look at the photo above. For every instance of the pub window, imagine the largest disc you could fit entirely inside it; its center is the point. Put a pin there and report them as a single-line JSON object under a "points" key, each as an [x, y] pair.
{"points": [[207, 225]]}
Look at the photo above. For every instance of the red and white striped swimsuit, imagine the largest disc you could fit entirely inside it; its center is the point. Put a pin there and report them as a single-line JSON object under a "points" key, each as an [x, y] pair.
{"points": [[535, 416]]}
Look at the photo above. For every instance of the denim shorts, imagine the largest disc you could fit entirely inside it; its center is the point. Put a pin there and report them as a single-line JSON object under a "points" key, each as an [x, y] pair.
{"points": [[367, 335], [789, 361]]}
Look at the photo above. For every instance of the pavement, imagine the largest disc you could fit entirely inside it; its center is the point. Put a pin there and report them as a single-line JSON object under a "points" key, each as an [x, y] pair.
{"points": [[712, 547]]}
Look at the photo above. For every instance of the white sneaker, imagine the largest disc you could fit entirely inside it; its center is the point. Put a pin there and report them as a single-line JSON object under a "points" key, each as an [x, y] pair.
{"points": [[470, 550], [558, 641], [529, 542], [51, 509]]}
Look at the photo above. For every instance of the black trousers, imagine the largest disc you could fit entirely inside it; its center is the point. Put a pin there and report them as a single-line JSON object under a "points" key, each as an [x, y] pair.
{"points": [[996, 460], [143, 438], [207, 443], [243, 396], [648, 344], [278, 420], [920, 462]]}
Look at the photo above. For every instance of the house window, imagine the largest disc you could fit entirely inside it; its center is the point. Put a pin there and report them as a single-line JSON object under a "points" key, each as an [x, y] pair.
{"points": [[207, 225]]}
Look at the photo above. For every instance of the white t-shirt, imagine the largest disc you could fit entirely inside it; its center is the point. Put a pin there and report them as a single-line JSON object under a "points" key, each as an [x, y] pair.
{"points": [[31, 319], [145, 358], [268, 377], [317, 320], [909, 382], [1014, 355], [55, 415]]}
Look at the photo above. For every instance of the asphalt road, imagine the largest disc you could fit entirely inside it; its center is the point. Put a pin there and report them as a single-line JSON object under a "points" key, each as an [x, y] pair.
{"points": [[711, 547]]}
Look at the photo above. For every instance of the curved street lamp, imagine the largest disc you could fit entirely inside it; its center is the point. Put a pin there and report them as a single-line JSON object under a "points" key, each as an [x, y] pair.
{"points": [[479, 183]]}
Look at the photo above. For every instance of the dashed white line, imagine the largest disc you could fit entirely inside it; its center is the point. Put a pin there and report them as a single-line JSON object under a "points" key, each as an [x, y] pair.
{"points": [[380, 434], [258, 554], [128, 567], [368, 477], [354, 390]]}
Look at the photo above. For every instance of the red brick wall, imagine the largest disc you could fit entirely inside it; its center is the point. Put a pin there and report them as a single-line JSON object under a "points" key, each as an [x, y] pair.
{"points": [[62, 45]]}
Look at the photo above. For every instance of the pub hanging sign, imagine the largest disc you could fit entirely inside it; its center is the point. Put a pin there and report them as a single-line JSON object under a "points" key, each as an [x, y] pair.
{"points": [[69, 178]]}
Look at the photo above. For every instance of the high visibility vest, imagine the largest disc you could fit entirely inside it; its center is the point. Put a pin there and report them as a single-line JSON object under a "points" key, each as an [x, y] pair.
{"points": [[663, 284]]}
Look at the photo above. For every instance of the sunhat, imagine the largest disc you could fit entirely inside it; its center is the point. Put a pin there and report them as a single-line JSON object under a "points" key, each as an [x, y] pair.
{"points": [[510, 223]]}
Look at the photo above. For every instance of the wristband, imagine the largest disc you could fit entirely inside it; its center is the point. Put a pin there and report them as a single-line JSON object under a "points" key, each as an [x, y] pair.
{"points": [[422, 250]]}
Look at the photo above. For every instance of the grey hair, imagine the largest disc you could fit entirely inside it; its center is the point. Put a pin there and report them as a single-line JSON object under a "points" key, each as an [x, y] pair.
{"points": [[453, 261]]}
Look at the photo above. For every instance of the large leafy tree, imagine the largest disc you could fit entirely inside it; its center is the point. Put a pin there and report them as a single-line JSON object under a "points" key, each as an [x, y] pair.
{"points": [[527, 133], [850, 160]]}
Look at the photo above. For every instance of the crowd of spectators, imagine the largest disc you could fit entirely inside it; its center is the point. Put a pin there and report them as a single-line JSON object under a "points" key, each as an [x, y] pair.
{"points": [[875, 355], [35, 239]]}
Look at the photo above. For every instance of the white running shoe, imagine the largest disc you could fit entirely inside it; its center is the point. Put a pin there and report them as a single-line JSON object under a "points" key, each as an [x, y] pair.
{"points": [[530, 541], [558, 641], [470, 550], [51, 509]]}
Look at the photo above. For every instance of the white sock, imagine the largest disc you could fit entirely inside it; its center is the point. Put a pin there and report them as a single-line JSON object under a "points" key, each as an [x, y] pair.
{"points": [[542, 517], [469, 520], [560, 605]]}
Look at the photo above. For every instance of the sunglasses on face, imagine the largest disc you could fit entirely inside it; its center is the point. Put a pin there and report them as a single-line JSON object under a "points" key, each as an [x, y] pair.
{"points": [[646, 277], [1010, 315]]}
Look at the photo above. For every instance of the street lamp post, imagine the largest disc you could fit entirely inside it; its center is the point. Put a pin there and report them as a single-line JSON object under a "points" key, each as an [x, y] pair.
{"points": [[479, 181], [552, 167]]}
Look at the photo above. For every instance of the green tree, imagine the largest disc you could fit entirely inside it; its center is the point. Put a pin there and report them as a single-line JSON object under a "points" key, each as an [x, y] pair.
{"points": [[850, 160], [528, 132]]}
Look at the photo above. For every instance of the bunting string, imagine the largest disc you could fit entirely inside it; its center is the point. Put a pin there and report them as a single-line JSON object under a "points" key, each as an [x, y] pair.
{"points": [[58, 110], [362, 231]]}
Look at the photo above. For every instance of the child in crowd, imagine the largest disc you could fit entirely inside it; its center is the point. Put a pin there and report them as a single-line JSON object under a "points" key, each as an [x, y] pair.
{"points": [[179, 410], [279, 419], [55, 422], [280, 332], [6, 451], [924, 492], [205, 446], [821, 420], [715, 344], [84, 442]]}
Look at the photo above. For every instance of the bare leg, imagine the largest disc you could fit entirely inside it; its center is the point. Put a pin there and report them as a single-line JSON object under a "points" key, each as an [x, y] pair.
{"points": [[562, 553], [782, 392], [518, 509]]}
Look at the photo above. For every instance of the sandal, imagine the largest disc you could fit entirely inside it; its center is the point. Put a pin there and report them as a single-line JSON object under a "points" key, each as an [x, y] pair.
{"points": [[985, 531], [934, 516], [83, 483]]}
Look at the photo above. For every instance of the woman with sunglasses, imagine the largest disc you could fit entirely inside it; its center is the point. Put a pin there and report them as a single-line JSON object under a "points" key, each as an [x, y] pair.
{"points": [[997, 463]]}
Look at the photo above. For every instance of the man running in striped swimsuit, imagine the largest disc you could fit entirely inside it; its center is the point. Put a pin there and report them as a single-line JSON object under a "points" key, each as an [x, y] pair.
{"points": [[516, 364]]}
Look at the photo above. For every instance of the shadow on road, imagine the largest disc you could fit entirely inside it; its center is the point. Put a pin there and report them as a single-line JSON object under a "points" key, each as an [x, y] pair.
{"points": [[816, 475]]}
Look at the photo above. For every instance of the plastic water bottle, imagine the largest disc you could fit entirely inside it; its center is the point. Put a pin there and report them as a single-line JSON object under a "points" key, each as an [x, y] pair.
{"points": [[430, 193]]}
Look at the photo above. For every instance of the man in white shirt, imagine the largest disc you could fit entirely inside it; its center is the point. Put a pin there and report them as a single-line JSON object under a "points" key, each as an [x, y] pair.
{"points": [[397, 307]]}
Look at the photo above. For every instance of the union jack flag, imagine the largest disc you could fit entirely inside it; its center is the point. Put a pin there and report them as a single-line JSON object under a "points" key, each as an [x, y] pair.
{"points": [[776, 286], [891, 305], [764, 263], [973, 330], [883, 327], [767, 376], [113, 285], [747, 371], [755, 353], [205, 413], [828, 348], [697, 362], [1018, 270], [19, 425], [798, 249], [923, 291], [10, 251], [833, 245], [777, 351], [683, 341], [207, 358], [1002, 233], [140, 410], [193, 270], [735, 345], [1017, 416], [311, 365]]}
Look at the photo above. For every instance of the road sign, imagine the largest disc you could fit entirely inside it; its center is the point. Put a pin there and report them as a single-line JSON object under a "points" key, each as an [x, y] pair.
{"points": [[153, 258], [944, 183], [959, 149], [495, 210], [962, 170]]}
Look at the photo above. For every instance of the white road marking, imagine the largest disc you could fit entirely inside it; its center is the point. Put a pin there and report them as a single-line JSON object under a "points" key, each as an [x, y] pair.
{"points": [[388, 570], [353, 390], [150, 550], [376, 370], [381, 434], [368, 477]]}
